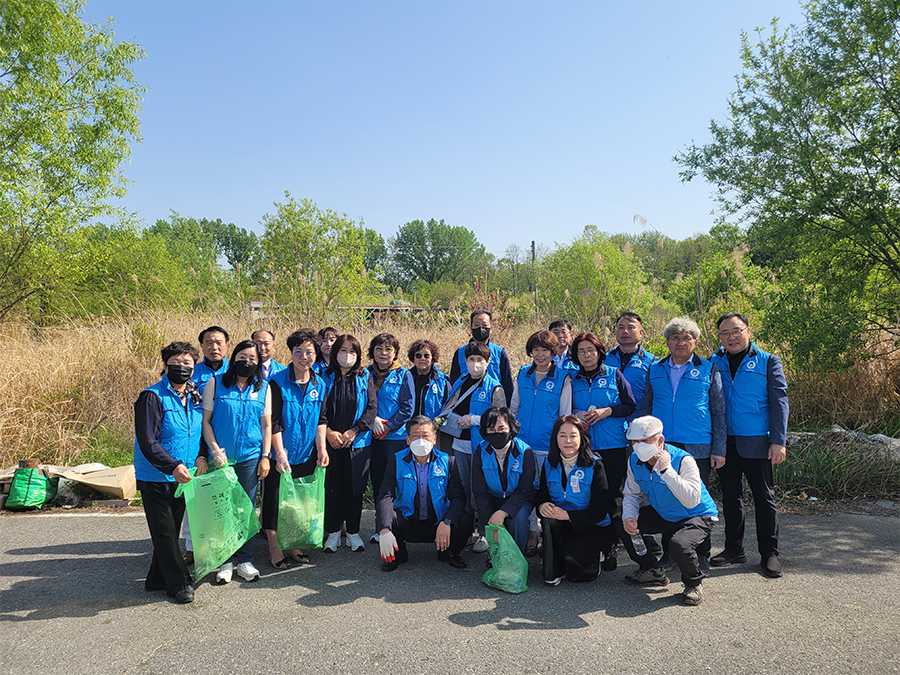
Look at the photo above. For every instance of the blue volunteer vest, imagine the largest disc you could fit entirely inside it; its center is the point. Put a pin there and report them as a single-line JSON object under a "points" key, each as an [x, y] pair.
{"points": [[539, 405], [235, 420], [299, 415], [479, 402], [573, 494], [389, 400], [179, 433], [362, 397], [434, 392], [635, 372], [407, 482], [203, 374], [274, 369], [747, 395], [685, 415], [491, 469], [493, 368], [661, 497], [566, 363], [601, 392]]}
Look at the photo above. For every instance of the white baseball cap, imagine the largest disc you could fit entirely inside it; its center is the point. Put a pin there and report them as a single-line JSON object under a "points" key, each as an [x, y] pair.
{"points": [[644, 427]]}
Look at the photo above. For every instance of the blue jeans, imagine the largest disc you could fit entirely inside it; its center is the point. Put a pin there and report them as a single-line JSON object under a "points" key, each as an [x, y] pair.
{"points": [[246, 475]]}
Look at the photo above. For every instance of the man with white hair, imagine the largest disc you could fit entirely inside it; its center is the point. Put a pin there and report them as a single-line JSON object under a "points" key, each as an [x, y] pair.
{"points": [[679, 507]]}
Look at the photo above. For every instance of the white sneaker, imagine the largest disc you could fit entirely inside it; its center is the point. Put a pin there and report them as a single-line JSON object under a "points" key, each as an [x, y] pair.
{"points": [[223, 576], [332, 542], [374, 539], [553, 582], [480, 546], [355, 542], [247, 572]]}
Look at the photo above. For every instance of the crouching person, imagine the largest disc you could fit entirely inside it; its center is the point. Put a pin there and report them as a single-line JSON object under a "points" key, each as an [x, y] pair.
{"points": [[422, 500], [679, 507]]}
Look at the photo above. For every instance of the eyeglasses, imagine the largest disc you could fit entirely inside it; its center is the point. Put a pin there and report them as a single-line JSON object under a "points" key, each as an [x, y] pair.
{"points": [[421, 355], [681, 339], [733, 333]]}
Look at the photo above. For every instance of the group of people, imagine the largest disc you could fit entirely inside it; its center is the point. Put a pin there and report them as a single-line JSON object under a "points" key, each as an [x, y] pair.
{"points": [[582, 449]]}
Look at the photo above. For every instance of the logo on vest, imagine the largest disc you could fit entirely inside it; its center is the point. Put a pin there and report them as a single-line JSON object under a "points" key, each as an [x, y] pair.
{"points": [[314, 394], [751, 365], [254, 395], [549, 386], [515, 466], [482, 396], [438, 471], [434, 388], [602, 382], [694, 372]]}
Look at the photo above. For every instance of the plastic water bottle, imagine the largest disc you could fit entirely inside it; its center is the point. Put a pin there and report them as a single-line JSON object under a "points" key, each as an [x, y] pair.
{"points": [[640, 548]]}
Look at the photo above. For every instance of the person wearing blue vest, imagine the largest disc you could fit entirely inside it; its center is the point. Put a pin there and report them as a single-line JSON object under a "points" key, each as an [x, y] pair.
{"points": [[678, 505], [574, 502], [685, 392], [350, 412], [543, 393], [327, 337], [481, 325], [562, 329], [167, 427], [756, 415], [430, 386], [265, 340], [601, 398], [630, 357], [395, 403], [237, 427], [470, 397], [422, 500], [503, 474], [298, 434], [214, 343]]}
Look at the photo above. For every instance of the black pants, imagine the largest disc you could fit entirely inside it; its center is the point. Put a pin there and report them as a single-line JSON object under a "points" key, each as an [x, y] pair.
{"points": [[164, 514], [615, 464], [762, 485], [685, 538], [342, 503], [381, 451], [271, 485], [705, 468], [424, 531], [575, 555]]}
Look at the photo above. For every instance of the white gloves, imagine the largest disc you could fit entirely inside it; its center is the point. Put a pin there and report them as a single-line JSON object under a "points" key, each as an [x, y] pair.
{"points": [[281, 462], [219, 458], [378, 427], [388, 544]]}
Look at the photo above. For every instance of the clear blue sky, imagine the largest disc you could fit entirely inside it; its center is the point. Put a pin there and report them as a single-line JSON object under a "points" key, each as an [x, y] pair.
{"points": [[516, 120]]}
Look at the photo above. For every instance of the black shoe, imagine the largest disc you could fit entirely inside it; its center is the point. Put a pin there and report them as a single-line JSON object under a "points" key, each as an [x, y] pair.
{"points": [[610, 562], [389, 566], [452, 559], [184, 596], [772, 566], [729, 556]]}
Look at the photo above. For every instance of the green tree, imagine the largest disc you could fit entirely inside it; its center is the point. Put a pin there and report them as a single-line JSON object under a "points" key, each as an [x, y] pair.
{"points": [[809, 159], [434, 251], [69, 109], [375, 256]]}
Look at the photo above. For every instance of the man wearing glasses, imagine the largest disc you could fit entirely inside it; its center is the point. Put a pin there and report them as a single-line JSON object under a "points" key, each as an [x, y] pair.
{"points": [[756, 414]]}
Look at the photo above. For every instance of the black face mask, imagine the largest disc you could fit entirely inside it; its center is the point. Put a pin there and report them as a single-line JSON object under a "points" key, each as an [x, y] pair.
{"points": [[497, 440], [481, 334], [244, 368], [179, 374]]}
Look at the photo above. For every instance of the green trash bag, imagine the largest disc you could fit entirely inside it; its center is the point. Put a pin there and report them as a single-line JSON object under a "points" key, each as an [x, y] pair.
{"points": [[220, 515], [30, 489], [509, 570], [301, 511]]}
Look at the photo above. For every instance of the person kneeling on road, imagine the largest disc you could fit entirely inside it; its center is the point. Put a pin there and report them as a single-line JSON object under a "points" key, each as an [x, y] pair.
{"points": [[679, 506], [421, 500]]}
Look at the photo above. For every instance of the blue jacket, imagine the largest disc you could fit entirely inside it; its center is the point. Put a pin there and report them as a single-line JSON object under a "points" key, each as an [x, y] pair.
{"points": [[274, 369], [539, 405], [178, 434], [300, 414], [601, 392], [659, 494], [566, 363], [395, 401], [493, 367], [235, 420], [635, 372], [499, 368], [203, 373], [756, 403], [576, 493], [407, 483], [514, 468], [479, 402], [434, 391], [362, 398], [685, 415]]}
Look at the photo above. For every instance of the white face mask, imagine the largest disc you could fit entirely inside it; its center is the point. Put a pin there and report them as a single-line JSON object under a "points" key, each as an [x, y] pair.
{"points": [[476, 368], [346, 360], [421, 447], [645, 451]]}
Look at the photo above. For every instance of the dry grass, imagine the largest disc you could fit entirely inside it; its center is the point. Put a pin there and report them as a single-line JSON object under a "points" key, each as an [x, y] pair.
{"points": [[65, 387]]}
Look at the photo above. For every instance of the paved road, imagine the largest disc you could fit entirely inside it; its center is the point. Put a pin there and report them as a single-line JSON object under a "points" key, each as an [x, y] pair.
{"points": [[72, 601]]}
